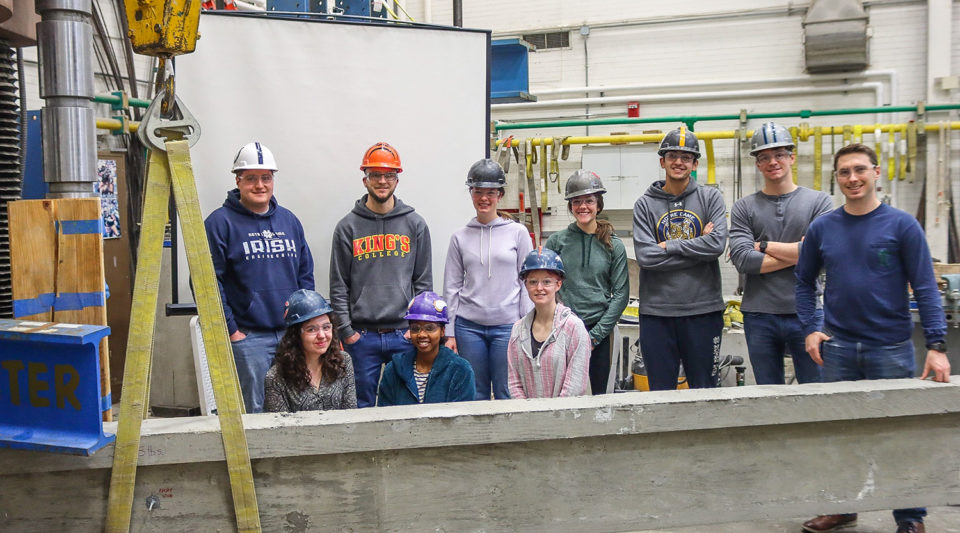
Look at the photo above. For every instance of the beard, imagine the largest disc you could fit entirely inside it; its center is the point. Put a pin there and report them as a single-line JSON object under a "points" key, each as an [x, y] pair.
{"points": [[379, 200]]}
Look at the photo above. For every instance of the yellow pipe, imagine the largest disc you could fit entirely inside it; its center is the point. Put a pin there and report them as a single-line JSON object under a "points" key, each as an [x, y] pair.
{"points": [[704, 135], [711, 164], [113, 124], [818, 158]]}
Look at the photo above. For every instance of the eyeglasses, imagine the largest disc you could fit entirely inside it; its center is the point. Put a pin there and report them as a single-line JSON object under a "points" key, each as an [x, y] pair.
{"points": [[545, 283], [314, 329], [426, 328], [251, 179], [674, 156], [589, 200], [859, 170], [484, 194], [389, 177], [781, 156]]}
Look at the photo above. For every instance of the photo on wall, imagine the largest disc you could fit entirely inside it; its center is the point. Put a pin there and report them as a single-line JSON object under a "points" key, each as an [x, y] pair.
{"points": [[106, 187]]}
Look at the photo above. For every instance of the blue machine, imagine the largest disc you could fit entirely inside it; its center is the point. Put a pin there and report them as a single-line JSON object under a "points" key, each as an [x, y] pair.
{"points": [[355, 8], [50, 387], [510, 71]]}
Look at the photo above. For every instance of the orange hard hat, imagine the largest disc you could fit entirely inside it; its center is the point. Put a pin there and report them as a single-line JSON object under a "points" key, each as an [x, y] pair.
{"points": [[381, 155]]}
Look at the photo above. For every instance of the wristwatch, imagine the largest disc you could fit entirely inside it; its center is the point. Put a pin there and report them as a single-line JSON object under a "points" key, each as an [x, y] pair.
{"points": [[763, 246], [939, 346]]}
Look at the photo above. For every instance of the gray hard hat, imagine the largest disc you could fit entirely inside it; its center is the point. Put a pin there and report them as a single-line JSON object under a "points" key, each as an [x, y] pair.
{"points": [[770, 135], [486, 174], [303, 305], [680, 140], [583, 182]]}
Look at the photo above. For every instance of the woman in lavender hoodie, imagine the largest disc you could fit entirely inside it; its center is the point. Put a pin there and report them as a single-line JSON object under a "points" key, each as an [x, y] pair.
{"points": [[481, 285]]}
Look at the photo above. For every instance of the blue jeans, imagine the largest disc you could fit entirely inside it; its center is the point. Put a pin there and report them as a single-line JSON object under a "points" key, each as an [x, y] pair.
{"points": [[372, 350], [694, 340], [768, 336], [485, 348], [853, 361], [254, 356]]}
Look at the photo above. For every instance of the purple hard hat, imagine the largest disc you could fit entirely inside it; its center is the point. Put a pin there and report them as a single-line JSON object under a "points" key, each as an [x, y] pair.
{"points": [[427, 307]]}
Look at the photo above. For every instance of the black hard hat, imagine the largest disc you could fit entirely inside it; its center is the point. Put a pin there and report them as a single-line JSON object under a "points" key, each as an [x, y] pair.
{"points": [[680, 140], [486, 174]]}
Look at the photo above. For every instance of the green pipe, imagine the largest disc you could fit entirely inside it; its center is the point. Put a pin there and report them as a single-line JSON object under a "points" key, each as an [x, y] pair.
{"points": [[690, 120], [115, 100]]}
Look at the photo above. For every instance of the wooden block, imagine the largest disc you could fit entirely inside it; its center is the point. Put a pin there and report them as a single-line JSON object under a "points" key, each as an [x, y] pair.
{"points": [[33, 245], [53, 251], [940, 269]]}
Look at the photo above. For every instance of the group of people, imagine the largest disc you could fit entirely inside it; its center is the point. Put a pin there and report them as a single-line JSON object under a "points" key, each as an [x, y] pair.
{"points": [[514, 322]]}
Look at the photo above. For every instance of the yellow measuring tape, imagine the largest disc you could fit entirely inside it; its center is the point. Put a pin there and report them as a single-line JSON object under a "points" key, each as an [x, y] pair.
{"points": [[174, 169]]}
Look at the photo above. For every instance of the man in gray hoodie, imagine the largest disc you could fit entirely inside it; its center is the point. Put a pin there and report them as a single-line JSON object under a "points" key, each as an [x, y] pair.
{"points": [[380, 260], [679, 232]]}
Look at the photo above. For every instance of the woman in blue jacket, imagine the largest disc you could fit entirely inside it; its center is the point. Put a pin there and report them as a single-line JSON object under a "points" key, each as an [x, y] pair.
{"points": [[432, 373]]}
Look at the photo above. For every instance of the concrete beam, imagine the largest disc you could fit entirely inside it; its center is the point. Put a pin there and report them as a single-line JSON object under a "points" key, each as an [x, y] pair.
{"points": [[610, 463]]}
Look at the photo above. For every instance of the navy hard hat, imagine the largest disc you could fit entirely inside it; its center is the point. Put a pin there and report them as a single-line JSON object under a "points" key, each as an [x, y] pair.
{"points": [[486, 174], [680, 140], [427, 306], [304, 305], [544, 259]]}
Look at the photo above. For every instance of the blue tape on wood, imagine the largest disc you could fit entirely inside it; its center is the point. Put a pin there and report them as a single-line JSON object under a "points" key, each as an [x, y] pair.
{"points": [[67, 301], [74, 301], [33, 306], [106, 402], [80, 227]]}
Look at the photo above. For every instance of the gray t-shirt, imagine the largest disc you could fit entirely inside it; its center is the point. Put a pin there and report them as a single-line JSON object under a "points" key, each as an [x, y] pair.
{"points": [[760, 217]]}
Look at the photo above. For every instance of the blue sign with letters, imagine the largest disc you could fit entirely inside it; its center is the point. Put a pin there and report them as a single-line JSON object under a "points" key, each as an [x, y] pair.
{"points": [[50, 387]]}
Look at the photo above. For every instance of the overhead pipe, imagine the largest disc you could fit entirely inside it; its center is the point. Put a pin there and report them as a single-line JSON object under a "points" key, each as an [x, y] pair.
{"points": [[874, 86], [692, 119]]}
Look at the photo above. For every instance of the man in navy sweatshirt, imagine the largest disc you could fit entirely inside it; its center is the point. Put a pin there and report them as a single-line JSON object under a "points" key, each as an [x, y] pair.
{"points": [[870, 252], [380, 260], [260, 257]]}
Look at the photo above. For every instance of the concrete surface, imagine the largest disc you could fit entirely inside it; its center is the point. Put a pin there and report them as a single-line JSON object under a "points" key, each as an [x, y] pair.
{"points": [[939, 520], [603, 463]]}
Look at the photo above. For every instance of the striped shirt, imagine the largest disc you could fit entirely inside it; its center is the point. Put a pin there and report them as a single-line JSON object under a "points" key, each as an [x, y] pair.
{"points": [[421, 379]]}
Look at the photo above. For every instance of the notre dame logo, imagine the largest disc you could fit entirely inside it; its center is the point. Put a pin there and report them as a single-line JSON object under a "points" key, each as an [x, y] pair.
{"points": [[679, 224]]}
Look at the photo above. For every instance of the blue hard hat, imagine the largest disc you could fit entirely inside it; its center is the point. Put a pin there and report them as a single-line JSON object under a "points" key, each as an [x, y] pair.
{"points": [[304, 305], [427, 307], [543, 259]]}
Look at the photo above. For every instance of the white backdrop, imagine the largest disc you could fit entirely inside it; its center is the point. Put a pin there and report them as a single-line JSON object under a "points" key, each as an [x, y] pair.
{"points": [[318, 94]]}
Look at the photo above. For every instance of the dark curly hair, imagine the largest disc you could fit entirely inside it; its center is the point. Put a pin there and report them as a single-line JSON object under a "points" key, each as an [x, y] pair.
{"points": [[292, 364]]}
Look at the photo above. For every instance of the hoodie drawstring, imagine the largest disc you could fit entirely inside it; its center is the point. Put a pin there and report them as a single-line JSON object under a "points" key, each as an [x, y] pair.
{"points": [[489, 246]]}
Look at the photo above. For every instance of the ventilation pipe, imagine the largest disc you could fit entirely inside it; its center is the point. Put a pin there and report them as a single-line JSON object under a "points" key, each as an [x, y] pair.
{"points": [[836, 36]]}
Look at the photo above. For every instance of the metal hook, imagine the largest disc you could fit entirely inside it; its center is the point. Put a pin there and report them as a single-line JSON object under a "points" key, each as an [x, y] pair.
{"points": [[155, 128]]}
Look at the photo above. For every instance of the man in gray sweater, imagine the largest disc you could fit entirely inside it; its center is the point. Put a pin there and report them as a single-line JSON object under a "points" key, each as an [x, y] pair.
{"points": [[679, 232], [766, 230]]}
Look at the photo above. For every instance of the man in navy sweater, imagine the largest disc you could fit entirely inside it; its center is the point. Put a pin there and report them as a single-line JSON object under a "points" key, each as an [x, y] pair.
{"points": [[260, 257], [870, 252]]}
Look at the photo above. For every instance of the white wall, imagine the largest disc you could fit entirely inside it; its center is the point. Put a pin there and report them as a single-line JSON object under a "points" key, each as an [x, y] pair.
{"points": [[655, 43]]}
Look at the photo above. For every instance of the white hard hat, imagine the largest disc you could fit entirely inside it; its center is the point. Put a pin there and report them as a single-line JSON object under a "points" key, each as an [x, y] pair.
{"points": [[256, 156]]}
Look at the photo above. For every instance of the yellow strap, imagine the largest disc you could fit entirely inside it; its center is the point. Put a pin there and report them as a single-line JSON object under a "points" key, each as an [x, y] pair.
{"points": [[902, 154], [878, 142], [796, 160], [136, 373], [818, 158], [912, 149], [847, 134], [213, 326], [858, 133], [543, 174], [892, 156], [711, 164]]}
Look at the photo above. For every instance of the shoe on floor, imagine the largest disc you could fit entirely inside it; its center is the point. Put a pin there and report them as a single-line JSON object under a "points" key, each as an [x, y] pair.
{"points": [[834, 522], [911, 527]]}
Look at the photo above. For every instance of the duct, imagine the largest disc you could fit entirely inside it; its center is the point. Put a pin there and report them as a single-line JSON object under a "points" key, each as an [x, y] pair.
{"points": [[65, 39], [11, 163], [876, 87], [836, 36]]}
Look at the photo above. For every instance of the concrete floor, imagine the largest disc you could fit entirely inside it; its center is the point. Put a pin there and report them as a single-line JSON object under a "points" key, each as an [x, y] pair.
{"points": [[939, 520]]}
